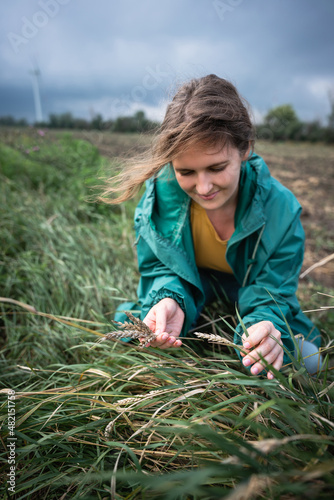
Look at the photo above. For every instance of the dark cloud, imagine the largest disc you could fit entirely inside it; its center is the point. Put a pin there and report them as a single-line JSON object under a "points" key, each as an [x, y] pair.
{"points": [[118, 56]]}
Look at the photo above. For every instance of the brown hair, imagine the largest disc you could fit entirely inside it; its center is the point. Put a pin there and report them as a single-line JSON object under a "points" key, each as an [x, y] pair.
{"points": [[206, 111]]}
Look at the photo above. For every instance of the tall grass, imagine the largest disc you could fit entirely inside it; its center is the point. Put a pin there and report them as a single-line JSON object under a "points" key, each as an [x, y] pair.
{"points": [[98, 420], [60, 253]]}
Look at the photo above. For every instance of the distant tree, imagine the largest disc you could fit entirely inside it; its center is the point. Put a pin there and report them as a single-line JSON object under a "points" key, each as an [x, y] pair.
{"points": [[136, 123], [64, 120], [312, 131], [22, 122], [10, 121], [283, 122], [124, 124], [143, 123], [67, 120], [331, 115], [97, 122], [81, 124], [329, 131], [44, 124], [53, 121], [108, 125]]}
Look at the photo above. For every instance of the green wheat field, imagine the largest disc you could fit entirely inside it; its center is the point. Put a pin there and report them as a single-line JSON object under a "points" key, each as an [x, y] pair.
{"points": [[100, 419]]}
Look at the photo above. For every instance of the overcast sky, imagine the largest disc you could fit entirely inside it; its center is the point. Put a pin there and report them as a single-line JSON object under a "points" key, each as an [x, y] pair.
{"points": [[117, 56]]}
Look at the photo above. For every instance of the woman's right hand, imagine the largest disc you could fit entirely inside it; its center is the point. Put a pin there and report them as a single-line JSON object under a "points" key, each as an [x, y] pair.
{"points": [[165, 319]]}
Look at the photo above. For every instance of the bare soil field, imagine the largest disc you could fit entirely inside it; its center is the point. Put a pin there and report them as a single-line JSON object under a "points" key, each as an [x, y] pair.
{"points": [[308, 171]]}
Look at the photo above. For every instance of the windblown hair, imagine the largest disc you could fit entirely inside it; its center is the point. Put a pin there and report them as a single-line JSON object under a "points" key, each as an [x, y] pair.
{"points": [[206, 112]]}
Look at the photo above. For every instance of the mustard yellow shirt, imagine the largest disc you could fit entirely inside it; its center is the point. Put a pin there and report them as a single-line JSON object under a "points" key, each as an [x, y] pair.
{"points": [[210, 250]]}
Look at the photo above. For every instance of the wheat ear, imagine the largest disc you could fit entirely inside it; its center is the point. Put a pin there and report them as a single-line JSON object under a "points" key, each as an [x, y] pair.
{"points": [[135, 330], [214, 338]]}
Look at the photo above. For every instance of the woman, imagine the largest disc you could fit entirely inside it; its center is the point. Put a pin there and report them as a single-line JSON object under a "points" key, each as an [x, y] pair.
{"points": [[213, 222]]}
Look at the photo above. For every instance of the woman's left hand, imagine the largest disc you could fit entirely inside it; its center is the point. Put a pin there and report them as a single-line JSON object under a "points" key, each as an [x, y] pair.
{"points": [[263, 340]]}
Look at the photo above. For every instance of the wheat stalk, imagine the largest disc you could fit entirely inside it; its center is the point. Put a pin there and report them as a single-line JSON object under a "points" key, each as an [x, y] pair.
{"points": [[135, 330], [214, 338]]}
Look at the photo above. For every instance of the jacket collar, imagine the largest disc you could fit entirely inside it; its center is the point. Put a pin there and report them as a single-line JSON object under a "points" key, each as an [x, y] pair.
{"points": [[254, 189]]}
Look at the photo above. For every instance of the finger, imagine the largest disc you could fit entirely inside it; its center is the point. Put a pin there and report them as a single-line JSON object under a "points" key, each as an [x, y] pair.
{"points": [[150, 323], [165, 340], [250, 330], [244, 352], [161, 320], [277, 364], [160, 339], [154, 342], [269, 359], [257, 332], [263, 350], [170, 342]]}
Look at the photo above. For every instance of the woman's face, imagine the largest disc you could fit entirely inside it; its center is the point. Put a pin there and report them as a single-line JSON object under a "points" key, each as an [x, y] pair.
{"points": [[210, 176]]}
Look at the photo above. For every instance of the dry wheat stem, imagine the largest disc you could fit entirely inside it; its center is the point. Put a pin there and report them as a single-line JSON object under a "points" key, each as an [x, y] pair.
{"points": [[251, 489], [266, 446], [317, 264], [118, 405]]}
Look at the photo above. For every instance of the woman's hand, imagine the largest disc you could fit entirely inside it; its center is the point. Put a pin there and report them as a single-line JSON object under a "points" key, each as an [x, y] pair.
{"points": [[263, 340], [165, 319]]}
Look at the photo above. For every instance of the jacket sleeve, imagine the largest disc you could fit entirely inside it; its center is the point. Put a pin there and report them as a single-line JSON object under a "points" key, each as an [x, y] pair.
{"points": [[157, 282], [271, 295]]}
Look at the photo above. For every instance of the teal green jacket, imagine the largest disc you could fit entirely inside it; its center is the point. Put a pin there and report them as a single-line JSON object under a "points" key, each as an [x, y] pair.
{"points": [[265, 251]]}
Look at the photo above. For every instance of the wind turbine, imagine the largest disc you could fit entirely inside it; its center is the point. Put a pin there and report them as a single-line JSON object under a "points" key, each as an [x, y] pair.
{"points": [[37, 98]]}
